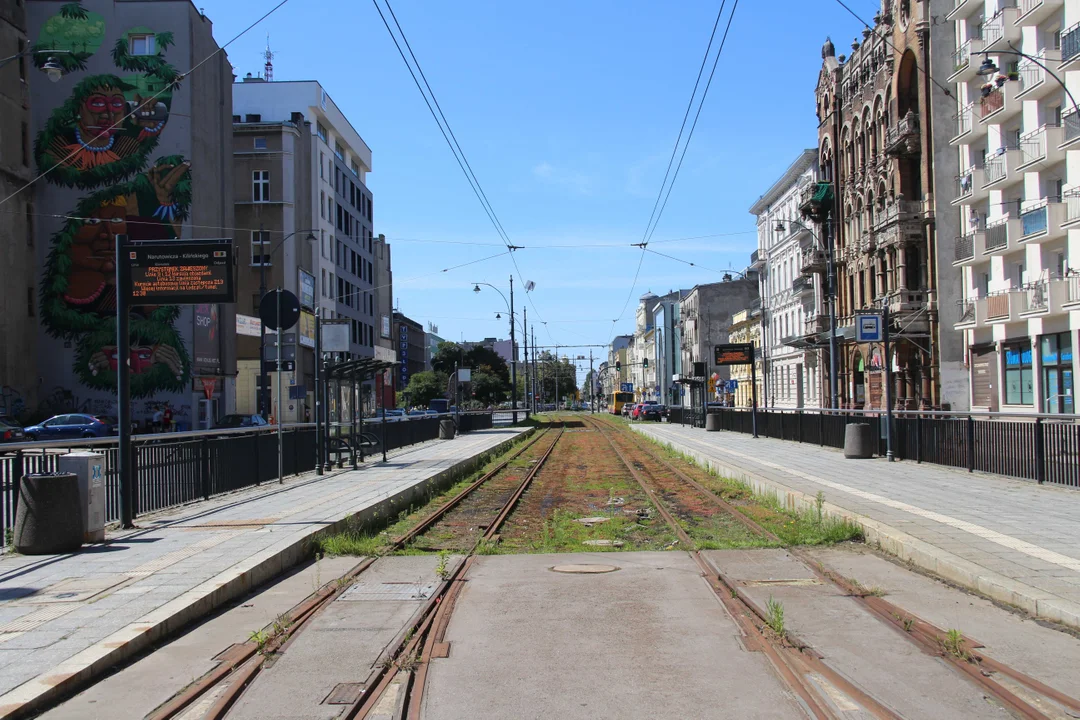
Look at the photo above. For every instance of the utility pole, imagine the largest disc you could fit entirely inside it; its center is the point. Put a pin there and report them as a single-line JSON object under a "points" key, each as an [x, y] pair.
{"points": [[535, 368], [124, 456], [592, 386], [513, 355], [525, 384], [557, 368]]}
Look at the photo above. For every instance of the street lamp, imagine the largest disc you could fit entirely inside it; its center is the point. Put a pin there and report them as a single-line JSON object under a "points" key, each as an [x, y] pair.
{"points": [[52, 69], [989, 67], [264, 377], [513, 343], [831, 293]]}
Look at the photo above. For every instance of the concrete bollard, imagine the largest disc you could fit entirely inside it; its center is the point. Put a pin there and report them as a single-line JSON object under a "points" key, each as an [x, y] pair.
{"points": [[446, 429], [50, 518], [858, 441]]}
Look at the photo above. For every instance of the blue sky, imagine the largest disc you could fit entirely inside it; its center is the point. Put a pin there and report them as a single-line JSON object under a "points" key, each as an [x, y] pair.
{"points": [[567, 112]]}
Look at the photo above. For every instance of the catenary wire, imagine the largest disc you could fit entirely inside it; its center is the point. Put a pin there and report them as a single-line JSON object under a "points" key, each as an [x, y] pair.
{"points": [[156, 95]]}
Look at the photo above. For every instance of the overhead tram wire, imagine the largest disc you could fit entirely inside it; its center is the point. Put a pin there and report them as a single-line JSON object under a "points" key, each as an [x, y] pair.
{"points": [[159, 93], [451, 139]]}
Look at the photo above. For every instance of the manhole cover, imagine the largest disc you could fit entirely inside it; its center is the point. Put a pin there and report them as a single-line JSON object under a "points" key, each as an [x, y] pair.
{"points": [[603, 543], [584, 569]]}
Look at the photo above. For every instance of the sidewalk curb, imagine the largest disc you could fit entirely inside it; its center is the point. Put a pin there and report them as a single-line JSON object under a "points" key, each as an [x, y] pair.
{"points": [[68, 677], [920, 553]]}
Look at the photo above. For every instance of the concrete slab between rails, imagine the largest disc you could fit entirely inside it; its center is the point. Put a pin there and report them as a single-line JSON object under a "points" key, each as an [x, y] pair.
{"points": [[247, 573], [920, 553]]}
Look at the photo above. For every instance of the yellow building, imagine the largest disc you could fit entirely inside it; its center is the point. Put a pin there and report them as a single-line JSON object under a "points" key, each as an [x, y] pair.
{"points": [[746, 328]]}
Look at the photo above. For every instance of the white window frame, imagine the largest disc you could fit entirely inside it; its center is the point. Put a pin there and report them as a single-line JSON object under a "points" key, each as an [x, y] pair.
{"points": [[260, 239], [148, 38], [320, 130], [260, 186], [259, 143]]}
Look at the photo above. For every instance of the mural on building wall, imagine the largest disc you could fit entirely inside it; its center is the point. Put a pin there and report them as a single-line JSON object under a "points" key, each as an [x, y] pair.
{"points": [[101, 140]]}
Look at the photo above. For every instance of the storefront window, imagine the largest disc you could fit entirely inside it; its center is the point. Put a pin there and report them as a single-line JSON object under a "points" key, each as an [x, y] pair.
{"points": [[1055, 354], [1018, 379]]}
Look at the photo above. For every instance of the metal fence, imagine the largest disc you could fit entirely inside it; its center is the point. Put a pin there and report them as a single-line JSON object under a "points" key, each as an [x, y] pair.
{"points": [[1044, 448], [171, 469]]}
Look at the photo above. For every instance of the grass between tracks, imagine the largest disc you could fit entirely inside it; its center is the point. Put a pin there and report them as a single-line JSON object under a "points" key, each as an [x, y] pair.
{"points": [[581, 481]]}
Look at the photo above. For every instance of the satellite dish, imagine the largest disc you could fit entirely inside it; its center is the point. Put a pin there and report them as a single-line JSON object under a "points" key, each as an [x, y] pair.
{"points": [[529, 285]]}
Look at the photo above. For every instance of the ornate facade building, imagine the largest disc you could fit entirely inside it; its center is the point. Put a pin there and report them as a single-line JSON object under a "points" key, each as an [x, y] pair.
{"points": [[874, 206]]}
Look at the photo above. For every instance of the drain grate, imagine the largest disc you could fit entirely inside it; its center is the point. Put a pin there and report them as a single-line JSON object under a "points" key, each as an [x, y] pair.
{"points": [[362, 591], [584, 569], [344, 694]]}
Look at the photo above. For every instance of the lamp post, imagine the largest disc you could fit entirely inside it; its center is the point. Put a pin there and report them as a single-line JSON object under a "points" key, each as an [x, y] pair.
{"points": [[264, 377], [988, 68], [52, 69], [513, 343], [830, 292]]}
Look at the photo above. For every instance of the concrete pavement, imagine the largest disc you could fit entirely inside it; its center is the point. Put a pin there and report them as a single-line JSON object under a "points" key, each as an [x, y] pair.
{"points": [[1011, 540], [67, 618]]}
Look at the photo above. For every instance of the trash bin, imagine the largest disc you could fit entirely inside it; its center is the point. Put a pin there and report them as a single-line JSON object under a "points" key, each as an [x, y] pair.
{"points": [[712, 422], [50, 515], [858, 441], [446, 429], [89, 467]]}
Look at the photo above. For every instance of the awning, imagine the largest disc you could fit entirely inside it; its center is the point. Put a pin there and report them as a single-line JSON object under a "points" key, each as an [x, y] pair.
{"points": [[361, 369], [823, 194]]}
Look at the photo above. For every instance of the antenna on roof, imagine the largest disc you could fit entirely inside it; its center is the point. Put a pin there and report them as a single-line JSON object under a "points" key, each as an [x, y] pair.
{"points": [[268, 69]]}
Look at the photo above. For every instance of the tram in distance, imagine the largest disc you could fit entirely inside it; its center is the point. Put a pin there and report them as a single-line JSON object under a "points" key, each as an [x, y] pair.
{"points": [[618, 400]]}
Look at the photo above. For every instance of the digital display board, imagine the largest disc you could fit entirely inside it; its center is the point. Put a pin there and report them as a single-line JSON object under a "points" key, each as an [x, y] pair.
{"points": [[179, 272], [734, 354]]}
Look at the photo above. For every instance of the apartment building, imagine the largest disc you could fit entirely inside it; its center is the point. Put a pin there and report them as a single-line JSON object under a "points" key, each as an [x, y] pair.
{"points": [[746, 329], [706, 316], [339, 210], [793, 311], [667, 352], [879, 125], [1017, 203], [385, 347]]}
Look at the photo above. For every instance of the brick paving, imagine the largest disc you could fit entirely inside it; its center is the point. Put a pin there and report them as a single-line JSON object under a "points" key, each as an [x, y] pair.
{"points": [[997, 526], [60, 614]]}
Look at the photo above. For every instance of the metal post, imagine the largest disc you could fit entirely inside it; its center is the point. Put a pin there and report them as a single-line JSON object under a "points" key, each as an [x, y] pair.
{"points": [[280, 420], [264, 378], [753, 390], [327, 373], [513, 355], [123, 389], [557, 376], [592, 386], [525, 385], [888, 385], [340, 462], [833, 390], [1040, 451], [318, 393], [352, 427], [384, 431]]}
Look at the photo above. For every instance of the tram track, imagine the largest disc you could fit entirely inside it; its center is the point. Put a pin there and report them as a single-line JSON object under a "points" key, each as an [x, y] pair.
{"points": [[960, 652]]}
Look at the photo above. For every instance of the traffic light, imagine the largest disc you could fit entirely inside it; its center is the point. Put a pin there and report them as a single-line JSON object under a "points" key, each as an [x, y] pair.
{"points": [[618, 366], [645, 363]]}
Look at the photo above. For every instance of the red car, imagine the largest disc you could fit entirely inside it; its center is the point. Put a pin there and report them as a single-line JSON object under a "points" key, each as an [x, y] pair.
{"points": [[635, 412]]}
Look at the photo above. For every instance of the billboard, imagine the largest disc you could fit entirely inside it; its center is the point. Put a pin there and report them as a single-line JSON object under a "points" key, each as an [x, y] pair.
{"points": [[206, 340], [734, 354], [181, 273], [248, 325], [307, 329], [307, 290]]}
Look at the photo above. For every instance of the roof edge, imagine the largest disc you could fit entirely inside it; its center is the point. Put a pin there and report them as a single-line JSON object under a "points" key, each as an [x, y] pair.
{"points": [[805, 160]]}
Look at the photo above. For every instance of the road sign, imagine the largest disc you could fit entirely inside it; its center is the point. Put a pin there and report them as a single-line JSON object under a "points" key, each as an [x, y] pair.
{"points": [[733, 354], [868, 327], [175, 272], [268, 309], [732, 385], [626, 387]]}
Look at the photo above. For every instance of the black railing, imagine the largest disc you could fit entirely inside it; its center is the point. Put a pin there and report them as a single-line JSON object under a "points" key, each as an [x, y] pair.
{"points": [[172, 469], [1070, 43], [964, 248], [1044, 448]]}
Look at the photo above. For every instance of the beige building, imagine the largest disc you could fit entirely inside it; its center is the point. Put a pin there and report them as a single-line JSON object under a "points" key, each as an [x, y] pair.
{"points": [[18, 293], [746, 328]]}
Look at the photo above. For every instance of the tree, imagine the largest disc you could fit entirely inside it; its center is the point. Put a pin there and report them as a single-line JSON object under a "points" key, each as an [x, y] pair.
{"points": [[446, 356], [484, 359], [426, 386], [487, 388]]}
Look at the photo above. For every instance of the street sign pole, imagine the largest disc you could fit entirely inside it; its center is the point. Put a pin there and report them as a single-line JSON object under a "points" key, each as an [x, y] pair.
{"points": [[888, 385], [318, 394], [280, 438], [123, 388], [753, 389]]}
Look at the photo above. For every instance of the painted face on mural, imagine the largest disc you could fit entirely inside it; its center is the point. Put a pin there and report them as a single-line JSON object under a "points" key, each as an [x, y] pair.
{"points": [[100, 116], [93, 249]]}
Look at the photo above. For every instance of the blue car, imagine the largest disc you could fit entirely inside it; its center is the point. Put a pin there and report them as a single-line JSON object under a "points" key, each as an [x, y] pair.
{"points": [[65, 427]]}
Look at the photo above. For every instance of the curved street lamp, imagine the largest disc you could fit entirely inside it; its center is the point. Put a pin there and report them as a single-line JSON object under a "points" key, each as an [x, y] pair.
{"points": [[52, 69], [513, 343], [988, 67]]}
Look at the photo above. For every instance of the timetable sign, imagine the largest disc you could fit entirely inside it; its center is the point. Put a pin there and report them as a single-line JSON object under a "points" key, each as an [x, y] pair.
{"points": [[178, 272]]}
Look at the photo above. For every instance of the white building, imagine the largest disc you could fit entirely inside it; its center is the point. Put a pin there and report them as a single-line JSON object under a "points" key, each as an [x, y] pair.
{"points": [[1018, 200], [793, 313]]}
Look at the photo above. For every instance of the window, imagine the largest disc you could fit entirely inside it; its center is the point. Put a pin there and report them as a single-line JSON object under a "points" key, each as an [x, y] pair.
{"points": [[339, 151], [260, 143], [324, 293], [260, 186], [322, 204], [1055, 356], [260, 247], [322, 133], [322, 160], [22, 61], [141, 45], [1018, 381], [355, 169]]}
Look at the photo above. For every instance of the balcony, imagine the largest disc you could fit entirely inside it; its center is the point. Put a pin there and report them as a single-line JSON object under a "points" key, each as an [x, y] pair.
{"points": [[970, 186], [814, 260], [815, 325], [999, 307], [757, 260], [963, 8], [963, 124], [967, 313], [1033, 83], [903, 138], [967, 247], [1042, 146], [1001, 30], [1001, 235], [999, 166], [999, 104], [802, 286], [816, 199], [1034, 298], [1071, 123], [966, 60], [1072, 292], [1070, 45], [1072, 207], [908, 307], [867, 242], [1043, 220], [1033, 12]]}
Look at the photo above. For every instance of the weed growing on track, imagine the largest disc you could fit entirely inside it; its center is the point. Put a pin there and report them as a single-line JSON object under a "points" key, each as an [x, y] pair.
{"points": [[953, 643], [774, 615]]}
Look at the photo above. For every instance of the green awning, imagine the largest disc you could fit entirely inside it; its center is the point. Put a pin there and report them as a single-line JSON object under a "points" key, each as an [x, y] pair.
{"points": [[823, 194]]}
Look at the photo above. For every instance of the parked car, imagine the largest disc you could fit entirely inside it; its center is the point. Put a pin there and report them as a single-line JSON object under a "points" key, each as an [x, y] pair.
{"points": [[75, 425], [417, 413], [653, 411], [241, 421], [627, 408], [10, 430]]}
